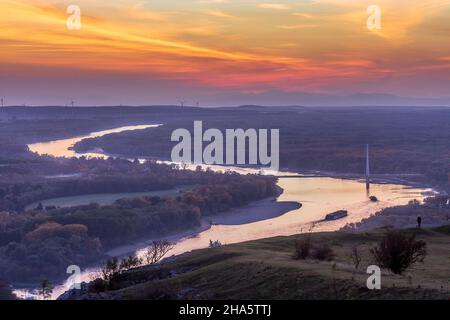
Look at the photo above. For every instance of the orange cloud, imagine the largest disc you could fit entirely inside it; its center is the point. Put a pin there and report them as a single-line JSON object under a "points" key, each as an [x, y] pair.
{"points": [[223, 44]]}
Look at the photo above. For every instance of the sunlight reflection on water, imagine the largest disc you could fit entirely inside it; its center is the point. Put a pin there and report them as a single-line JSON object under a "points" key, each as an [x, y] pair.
{"points": [[318, 195]]}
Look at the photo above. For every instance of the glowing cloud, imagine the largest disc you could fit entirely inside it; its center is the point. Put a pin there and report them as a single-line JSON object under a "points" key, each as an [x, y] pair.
{"points": [[226, 47]]}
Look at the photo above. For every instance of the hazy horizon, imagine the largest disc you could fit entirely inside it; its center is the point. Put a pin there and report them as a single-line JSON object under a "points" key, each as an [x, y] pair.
{"points": [[267, 100], [223, 52]]}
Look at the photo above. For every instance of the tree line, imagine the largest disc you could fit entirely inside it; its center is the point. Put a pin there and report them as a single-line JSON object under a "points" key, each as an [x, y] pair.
{"points": [[42, 243]]}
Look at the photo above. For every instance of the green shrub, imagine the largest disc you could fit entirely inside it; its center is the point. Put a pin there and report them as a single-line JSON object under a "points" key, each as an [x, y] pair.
{"points": [[398, 251], [323, 253], [302, 248]]}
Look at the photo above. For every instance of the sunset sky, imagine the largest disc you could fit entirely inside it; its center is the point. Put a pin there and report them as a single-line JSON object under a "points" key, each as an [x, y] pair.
{"points": [[219, 52]]}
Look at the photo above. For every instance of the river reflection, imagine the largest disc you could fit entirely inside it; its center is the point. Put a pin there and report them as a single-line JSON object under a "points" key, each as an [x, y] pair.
{"points": [[318, 196], [63, 147]]}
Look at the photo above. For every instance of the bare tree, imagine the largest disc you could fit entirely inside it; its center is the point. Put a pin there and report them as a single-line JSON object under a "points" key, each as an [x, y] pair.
{"points": [[302, 248], [356, 257], [398, 251], [156, 251], [6, 291], [323, 253], [132, 261], [110, 268], [46, 289]]}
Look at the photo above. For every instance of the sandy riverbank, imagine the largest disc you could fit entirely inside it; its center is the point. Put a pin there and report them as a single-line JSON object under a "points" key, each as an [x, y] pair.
{"points": [[255, 211]]}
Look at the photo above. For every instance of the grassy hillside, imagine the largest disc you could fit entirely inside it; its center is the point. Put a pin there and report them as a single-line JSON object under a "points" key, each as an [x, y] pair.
{"points": [[265, 269]]}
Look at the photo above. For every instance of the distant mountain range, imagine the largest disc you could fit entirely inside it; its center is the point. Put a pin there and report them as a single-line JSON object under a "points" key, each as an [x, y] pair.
{"points": [[286, 100], [276, 98]]}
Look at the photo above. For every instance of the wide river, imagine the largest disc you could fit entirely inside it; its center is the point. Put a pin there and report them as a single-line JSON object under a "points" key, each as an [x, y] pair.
{"points": [[318, 196]]}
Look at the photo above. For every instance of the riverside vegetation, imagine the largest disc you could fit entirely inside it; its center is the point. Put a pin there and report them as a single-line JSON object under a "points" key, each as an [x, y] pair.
{"points": [[412, 142], [41, 243]]}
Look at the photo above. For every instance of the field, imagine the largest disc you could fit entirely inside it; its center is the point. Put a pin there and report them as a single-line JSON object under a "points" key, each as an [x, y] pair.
{"points": [[102, 198], [265, 269]]}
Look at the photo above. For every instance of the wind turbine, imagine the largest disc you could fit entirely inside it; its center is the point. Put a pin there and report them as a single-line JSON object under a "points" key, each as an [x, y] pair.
{"points": [[72, 104]]}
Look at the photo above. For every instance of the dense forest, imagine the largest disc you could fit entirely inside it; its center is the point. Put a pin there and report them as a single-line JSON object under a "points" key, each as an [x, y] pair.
{"points": [[403, 140], [90, 176], [40, 244]]}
